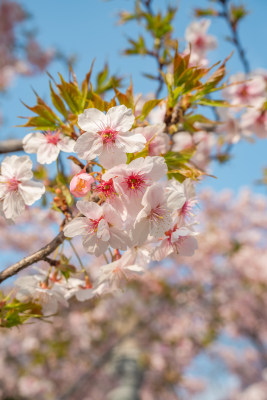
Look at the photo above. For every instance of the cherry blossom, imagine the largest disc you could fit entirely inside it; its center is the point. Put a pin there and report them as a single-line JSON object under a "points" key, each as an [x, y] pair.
{"points": [[155, 217], [255, 121], [39, 288], [158, 142], [113, 275], [181, 197], [47, 145], [229, 127], [200, 41], [100, 227], [80, 184], [132, 180], [16, 186], [250, 91], [107, 136], [179, 240], [79, 288]]}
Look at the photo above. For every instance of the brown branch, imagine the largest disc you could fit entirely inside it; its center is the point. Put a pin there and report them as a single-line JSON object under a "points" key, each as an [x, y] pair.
{"points": [[235, 36], [33, 258], [10, 146]]}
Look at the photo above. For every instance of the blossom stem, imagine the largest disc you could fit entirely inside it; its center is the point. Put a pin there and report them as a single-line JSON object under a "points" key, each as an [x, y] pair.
{"points": [[77, 255]]}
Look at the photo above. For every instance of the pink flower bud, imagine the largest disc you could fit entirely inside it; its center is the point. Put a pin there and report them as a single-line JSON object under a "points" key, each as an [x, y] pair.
{"points": [[80, 184]]}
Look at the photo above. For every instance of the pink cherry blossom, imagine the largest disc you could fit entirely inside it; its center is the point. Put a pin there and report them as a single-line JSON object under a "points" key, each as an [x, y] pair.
{"points": [[37, 287], [204, 141], [178, 240], [47, 145], [112, 276], [107, 136], [132, 180], [155, 217], [101, 227], [250, 92], [158, 142], [229, 126], [80, 289], [16, 186], [196, 35], [80, 184], [181, 197], [255, 121]]}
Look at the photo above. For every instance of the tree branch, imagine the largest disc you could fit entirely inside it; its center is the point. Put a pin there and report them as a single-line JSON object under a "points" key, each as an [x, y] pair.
{"points": [[10, 146], [29, 260], [235, 37]]}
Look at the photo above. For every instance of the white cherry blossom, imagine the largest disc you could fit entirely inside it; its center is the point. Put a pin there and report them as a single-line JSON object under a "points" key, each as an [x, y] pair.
{"points": [[181, 198], [39, 288], [132, 180], [114, 275], [196, 35], [47, 145], [178, 240], [255, 121], [158, 141], [16, 186], [155, 218], [101, 227], [107, 136], [251, 90]]}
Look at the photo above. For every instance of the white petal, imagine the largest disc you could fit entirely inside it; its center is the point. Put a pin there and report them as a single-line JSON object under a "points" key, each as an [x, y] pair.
{"points": [[89, 209], [13, 205], [31, 191], [103, 231], [112, 216], [18, 167], [92, 120], [84, 294], [120, 118], [118, 239], [78, 226], [131, 143], [66, 144], [32, 141], [111, 156], [47, 153], [140, 232], [159, 169], [94, 246], [188, 246], [88, 146]]}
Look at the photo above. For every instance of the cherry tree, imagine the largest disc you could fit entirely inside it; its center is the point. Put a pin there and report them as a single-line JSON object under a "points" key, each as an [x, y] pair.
{"points": [[115, 223]]}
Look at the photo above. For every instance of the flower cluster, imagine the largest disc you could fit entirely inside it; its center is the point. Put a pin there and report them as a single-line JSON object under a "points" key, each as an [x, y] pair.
{"points": [[130, 213]]}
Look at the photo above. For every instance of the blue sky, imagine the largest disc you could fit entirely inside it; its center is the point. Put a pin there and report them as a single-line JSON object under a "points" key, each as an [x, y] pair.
{"points": [[88, 29]]}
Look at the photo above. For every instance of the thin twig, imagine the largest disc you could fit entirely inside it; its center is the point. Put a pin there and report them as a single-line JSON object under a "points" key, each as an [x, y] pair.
{"points": [[10, 146], [235, 37]]}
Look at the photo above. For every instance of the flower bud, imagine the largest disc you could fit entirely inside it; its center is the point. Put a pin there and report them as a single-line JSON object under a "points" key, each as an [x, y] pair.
{"points": [[80, 184]]}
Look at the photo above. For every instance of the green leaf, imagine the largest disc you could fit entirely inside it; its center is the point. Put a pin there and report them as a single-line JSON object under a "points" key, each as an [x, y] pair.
{"points": [[213, 103], [147, 107], [58, 102]]}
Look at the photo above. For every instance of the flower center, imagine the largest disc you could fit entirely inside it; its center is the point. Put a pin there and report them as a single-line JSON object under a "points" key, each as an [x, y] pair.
{"points": [[93, 225], [136, 182], [107, 188], [157, 213], [243, 92], [52, 137], [200, 42], [81, 184], [13, 184], [108, 135]]}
